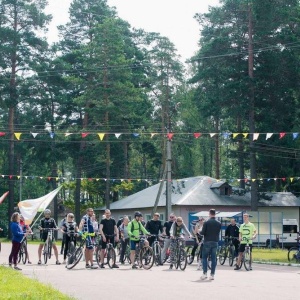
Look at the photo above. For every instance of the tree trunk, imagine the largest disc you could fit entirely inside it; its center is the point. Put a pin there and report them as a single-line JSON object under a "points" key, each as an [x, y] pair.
{"points": [[241, 154]]}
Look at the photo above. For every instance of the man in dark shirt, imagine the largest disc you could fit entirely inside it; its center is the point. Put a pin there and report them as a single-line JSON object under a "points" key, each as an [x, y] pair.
{"points": [[232, 231], [108, 231], [166, 232], [154, 226], [210, 230]]}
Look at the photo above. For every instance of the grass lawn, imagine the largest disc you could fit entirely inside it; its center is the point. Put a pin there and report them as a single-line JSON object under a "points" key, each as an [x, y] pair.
{"points": [[35, 241], [270, 255], [14, 285]]}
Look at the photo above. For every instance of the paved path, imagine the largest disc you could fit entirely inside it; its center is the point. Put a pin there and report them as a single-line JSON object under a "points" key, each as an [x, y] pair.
{"points": [[264, 282]]}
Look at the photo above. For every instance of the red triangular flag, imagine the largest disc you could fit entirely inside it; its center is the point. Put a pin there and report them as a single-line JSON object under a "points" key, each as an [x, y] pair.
{"points": [[170, 135], [84, 134], [281, 135], [2, 133], [197, 135]]}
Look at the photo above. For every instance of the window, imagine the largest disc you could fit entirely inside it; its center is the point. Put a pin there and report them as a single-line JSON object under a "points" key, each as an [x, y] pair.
{"points": [[290, 229]]}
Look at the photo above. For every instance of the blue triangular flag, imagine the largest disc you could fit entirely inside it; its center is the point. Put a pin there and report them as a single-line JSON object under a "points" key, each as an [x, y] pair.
{"points": [[52, 135], [295, 135]]}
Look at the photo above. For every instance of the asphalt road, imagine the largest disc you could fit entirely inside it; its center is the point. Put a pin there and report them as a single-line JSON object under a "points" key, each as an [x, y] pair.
{"points": [[264, 282]]}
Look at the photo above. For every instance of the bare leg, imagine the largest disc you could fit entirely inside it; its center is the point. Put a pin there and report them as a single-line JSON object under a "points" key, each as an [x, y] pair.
{"points": [[102, 253], [40, 251]]}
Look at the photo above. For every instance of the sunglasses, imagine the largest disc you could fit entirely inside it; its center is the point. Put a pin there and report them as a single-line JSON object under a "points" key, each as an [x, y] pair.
{"points": [[178, 221]]}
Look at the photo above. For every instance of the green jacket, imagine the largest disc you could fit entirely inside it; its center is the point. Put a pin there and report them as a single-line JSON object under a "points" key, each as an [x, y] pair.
{"points": [[134, 228]]}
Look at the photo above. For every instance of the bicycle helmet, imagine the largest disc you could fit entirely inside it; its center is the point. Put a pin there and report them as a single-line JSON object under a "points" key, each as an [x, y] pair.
{"points": [[47, 212], [138, 214]]}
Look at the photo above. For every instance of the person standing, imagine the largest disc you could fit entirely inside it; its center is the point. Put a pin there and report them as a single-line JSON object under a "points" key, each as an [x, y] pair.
{"points": [[86, 225], [197, 237], [232, 231], [25, 228], [166, 233], [247, 233], [123, 229], [210, 231], [17, 236], [109, 233], [154, 226], [62, 223]]}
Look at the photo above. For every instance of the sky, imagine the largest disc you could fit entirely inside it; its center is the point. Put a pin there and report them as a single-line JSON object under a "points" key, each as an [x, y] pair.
{"points": [[171, 18]]}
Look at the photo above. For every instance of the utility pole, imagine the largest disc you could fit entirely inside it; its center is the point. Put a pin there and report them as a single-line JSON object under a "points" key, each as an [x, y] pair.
{"points": [[254, 187], [21, 180], [169, 178]]}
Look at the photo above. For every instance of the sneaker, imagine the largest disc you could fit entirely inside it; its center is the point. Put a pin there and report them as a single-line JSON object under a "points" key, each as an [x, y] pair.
{"points": [[171, 266], [58, 263], [122, 263], [134, 266], [236, 267], [93, 267], [102, 266], [115, 266], [29, 262], [17, 268], [39, 262], [87, 266], [211, 277], [250, 268], [203, 277]]}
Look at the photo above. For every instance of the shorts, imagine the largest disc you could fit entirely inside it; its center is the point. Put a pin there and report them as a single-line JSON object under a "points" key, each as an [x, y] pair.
{"points": [[111, 240], [133, 244], [89, 243], [44, 238], [243, 246]]}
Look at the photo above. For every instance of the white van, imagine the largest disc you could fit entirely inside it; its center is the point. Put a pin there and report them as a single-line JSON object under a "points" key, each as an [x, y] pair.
{"points": [[287, 239]]}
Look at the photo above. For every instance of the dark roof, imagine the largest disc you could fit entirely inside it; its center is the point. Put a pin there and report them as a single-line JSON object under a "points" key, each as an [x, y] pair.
{"points": [[196, 191]]}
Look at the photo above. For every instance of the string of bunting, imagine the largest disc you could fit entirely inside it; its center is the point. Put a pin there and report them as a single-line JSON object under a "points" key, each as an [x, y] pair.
{"points": [[18, 177], [196, 135]]}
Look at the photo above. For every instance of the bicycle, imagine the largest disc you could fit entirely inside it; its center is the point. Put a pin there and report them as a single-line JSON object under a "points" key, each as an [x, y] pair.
{"points": [[167, 256], [294, 253], [71, 243], [156, 250], [246, 257], [76, 255], [227, 250], [144, 256], [110, 253], [22, 255], [180, 254], [47, 250], [189, 249]]}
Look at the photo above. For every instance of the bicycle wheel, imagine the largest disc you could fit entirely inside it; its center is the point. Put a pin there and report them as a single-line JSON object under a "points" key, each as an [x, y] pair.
{"points": [[222, 255], [157, 253], [20, 254], [45, 252], [111, 257], [189, 255], [146, 258], [74, 258], [24, 253], [49, 249], [231, 253], [98, 255], [294, 255], [182, 259], [247, 260]]}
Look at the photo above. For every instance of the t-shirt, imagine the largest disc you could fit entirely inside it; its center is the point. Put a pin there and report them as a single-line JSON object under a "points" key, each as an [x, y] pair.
{"points": [[48, 223], [154, 227], [168, 226], [247, 231], [134, 228], [69, 227], [108, 226]]}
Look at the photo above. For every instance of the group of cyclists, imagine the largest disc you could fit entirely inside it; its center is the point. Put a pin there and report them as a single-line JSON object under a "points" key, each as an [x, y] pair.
{"points": [[128, 233]]}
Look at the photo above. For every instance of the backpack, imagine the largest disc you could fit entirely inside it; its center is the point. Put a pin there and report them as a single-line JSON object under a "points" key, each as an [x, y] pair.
{"points": [[132, 227]]}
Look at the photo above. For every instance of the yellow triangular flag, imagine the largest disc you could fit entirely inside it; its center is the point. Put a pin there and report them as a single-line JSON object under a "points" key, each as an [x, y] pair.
{"points": [[245, 135], [253, 179], [18, 135], [101, 136], [292, 179], [235, 135], [18, 176]]}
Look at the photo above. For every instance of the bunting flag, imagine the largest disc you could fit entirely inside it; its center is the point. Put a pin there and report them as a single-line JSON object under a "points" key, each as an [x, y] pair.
{"points": [[295, 135], [281, 135], [255, 136], [3, 197], [170, 136], [245, 135], [234, 135], [197, 135], [68, 133], [226, 135], [52, 134], [101, 136], [30, 207], [135, 134], [212, 134], [117, 135], [153, 134], [268, 135], [291, 179], [2, 133], [18, 135], [84, 134], [34, 134]]}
